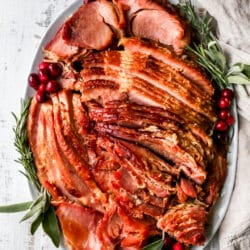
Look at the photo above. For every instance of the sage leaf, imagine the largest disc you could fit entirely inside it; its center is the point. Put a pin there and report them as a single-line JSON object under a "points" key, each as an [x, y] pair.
{"points": [[156, 245], [246, 70], [235, 69], [34, 209], [15, 207], [238, 79], [36, 223], [51, 226]]}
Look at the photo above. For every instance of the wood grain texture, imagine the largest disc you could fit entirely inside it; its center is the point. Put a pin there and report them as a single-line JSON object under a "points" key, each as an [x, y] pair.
{"points": [[22, 25]]}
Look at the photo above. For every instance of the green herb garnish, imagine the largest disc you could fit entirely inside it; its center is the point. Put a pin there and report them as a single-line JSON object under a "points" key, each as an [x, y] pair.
{"points": [[156, 245], [209, 53], [40, 209]]}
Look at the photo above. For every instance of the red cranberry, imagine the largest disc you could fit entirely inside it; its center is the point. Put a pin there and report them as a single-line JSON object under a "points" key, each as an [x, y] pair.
{"points": [[177, 246], [55, 69], [224, 114], [42, 87], [224, 103], [43, 66], [43, 75], [228, 93], [230, 120], [221, 126], [40, 96], [52, 86], [34, 81]]}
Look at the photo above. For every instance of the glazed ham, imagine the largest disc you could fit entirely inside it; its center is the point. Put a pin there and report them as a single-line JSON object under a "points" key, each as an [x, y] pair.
{"points": [[148, 19], [79, 226], [186, 68], [185, 223], [125, 146], [96, 32], [57, 48]]}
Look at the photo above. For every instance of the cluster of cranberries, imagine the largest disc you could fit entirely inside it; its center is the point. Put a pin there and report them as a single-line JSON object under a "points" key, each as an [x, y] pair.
{"points": [[45, 80], [226, 119]]}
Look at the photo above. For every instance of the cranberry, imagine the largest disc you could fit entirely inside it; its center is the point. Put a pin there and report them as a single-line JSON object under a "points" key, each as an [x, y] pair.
{"points": [[43, 66], [52, 86], [34, 81], [42, 87], [40, 96], [224, 114], [177, 246], [228, 93], [221, 126], [55, 69], [43, 75], [224, 103], [230, 120]]}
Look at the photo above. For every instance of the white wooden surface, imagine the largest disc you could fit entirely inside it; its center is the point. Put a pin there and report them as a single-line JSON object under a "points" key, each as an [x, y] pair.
{"points": [[22, 24]]}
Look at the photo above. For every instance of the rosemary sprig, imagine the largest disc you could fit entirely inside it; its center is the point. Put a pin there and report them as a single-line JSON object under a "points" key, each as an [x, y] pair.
{"points": [[22, 146], [41, 208], [208, 52]]}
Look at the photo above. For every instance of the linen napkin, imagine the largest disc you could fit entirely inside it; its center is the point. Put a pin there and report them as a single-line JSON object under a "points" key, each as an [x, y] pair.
{"points": [[233, 31]]}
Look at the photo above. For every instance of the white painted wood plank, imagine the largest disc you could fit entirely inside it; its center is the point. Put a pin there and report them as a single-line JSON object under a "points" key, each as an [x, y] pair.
{"points": [[22, 25]]}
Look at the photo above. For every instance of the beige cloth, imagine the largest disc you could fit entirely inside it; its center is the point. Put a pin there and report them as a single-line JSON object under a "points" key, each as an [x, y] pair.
{"points": [[233, 22]]}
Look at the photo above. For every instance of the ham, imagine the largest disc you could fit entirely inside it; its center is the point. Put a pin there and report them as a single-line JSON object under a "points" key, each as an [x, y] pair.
{"points": [[96, 32], [186, 68], [58, 49], [124, 147], [185, 222], [149, 20], [156, 142], [79, 226], [155, 73], [116, 227]]}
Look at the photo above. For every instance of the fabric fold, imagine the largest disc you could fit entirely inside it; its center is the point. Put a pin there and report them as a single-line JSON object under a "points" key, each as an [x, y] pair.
{"points": [[233, 27]]}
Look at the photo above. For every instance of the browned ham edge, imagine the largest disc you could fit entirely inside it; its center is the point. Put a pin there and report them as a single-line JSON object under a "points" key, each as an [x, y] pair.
{"points": [[114, 85], [185, 222], [155, 73], [166, 147], [131, 115], [36, 128], [92, 195], [164, 55]]}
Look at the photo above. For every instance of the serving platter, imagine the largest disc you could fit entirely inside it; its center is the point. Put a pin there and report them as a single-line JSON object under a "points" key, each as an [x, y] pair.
{"points": [[220, 208]]}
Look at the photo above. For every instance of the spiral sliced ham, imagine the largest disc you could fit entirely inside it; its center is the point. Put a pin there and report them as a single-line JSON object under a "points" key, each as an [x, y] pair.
{"points": [[125, 147]]}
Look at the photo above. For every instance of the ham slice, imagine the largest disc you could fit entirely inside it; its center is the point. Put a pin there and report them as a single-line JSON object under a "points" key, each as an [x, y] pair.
{"points": [[96, 32], [155, 73], [79, 226], [58, 49], [186, 68], [185, 222], [149, 20]]}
